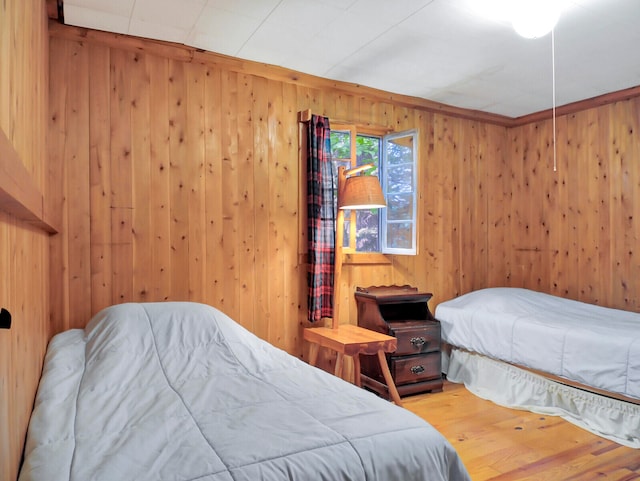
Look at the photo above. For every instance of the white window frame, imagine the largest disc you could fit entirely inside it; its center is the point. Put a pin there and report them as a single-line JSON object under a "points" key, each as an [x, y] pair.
{"points": [[384, 222], [354, 131]]}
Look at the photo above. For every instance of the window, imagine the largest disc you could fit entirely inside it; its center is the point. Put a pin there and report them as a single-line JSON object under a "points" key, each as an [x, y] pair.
{"points": [[399, 186], [391, 230]]}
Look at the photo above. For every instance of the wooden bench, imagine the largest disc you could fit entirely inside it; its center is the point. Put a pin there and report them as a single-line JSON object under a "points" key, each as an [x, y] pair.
{"points": [[349, 340]]}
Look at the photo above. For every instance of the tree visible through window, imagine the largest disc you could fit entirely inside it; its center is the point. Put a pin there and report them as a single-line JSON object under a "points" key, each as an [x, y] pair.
{"points": [[389, 230]]}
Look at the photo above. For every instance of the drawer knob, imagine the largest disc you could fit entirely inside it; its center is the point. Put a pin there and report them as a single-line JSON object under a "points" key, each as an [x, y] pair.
{"points": [[417, 369], [418, 341]]}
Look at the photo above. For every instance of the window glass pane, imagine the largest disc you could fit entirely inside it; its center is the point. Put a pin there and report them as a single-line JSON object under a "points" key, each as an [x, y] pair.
{"points": [[400, 207], [340, 144], [400, 179], [347, 228], [337, 163], [367, 229], [367, 222], [399, 235], [400, 150], [368, 152]]}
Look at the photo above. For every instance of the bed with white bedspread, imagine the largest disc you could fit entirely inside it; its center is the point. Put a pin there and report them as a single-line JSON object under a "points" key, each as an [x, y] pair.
{"points": [[179, 391], [561, 344]]}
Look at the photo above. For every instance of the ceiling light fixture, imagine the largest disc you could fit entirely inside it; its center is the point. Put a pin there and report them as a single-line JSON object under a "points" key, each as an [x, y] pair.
{"points": [[534, 18], [529, 18]]}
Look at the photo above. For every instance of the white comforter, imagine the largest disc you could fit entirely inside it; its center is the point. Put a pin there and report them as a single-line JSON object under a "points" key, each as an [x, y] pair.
{"points": [[593, 345], [178, 391]]}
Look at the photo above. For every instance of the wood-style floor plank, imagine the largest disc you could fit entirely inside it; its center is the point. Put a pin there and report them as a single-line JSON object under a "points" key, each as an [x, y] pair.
{"points": [[501, 444]]}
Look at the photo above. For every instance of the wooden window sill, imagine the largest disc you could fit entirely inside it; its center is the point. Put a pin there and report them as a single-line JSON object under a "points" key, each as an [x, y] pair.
{"points": [[360, 258]]}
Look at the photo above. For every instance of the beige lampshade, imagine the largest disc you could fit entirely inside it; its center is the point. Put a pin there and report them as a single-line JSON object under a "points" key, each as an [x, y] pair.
{"points": [[361, 192]]}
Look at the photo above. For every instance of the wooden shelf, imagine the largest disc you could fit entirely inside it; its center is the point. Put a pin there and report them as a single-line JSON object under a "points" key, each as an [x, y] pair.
{"points": [[19, 196]]}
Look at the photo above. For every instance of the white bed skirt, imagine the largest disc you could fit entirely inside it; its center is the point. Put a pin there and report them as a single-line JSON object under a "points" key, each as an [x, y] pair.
{"points": [[517, 388]]}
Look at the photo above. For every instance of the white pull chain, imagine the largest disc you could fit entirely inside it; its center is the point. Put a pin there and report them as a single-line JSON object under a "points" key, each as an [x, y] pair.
{"points": [[553, 74]]}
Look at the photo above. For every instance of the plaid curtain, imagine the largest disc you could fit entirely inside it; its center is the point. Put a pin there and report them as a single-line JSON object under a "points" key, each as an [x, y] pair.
{"points": [[321, 219]]}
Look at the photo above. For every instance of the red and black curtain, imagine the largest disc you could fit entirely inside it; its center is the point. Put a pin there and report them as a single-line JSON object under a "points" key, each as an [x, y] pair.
{"points": [[321, 219]]}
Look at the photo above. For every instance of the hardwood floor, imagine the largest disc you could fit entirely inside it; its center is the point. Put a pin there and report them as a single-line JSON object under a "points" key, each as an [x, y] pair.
{"points": [[502, 444]]}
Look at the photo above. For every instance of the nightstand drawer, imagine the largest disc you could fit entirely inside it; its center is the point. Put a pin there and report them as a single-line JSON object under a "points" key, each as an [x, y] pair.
{"points": [[415, 337], [416, 368]]}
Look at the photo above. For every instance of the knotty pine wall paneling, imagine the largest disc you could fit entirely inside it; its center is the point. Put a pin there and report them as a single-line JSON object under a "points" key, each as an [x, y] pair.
{"points": [[223, 173], [100, 281], [598, 192], [56, 139], [246, 239], [76, 167], [624, 180], [562, 241], [293, 271], [160, 221], [261, 155], [24, 252], [474, 205], [460, 165], [574, 232], [567, 218], [199, 196], [437, 236], [230, 183], [141, 187]]}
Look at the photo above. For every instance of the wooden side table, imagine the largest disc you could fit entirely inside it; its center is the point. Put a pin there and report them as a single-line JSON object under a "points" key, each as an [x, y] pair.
{"points": [[349, 340], [403, 312]]}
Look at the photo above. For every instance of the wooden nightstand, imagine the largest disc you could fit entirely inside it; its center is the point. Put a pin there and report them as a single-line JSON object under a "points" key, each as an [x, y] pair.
{"points": [[402, 312], [352, 341]]}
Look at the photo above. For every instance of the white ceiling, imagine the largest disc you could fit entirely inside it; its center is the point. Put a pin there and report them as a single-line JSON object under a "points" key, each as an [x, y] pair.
{"points": [[435, 49]]}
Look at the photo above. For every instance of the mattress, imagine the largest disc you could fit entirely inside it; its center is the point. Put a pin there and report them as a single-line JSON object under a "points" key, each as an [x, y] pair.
{"points": [[592, 345], [179, 391]]}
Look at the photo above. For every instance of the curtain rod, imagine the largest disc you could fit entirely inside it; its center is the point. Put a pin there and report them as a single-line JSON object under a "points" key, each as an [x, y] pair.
{"points": [[305, 116]]}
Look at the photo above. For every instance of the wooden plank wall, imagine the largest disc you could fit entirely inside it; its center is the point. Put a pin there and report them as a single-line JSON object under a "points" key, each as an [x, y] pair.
{"points": [[24, 252], [179, 180], [572, 232]]}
